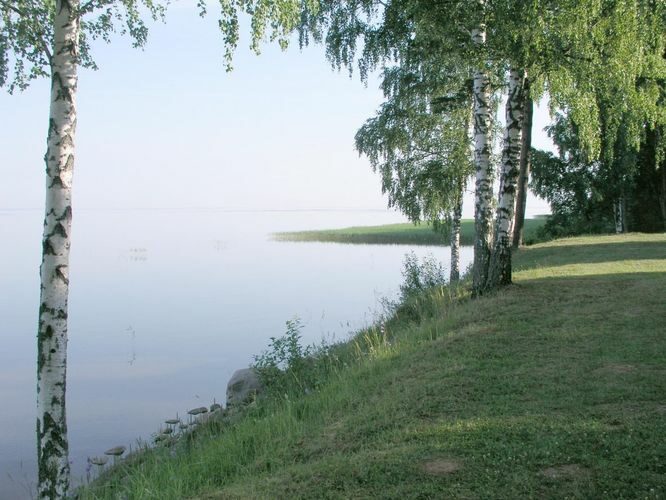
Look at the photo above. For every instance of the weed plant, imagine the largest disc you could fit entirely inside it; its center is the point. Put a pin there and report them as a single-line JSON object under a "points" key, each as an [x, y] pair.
{"points": [[289, 369]]}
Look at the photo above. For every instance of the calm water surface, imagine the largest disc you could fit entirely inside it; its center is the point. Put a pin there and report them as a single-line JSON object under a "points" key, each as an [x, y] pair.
{"points": [[164, 306]]}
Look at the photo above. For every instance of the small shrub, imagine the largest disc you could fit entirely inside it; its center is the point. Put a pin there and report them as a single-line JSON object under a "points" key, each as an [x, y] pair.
{"points": [[284, 359], [424, 293], [420, 276], [289, 367]]}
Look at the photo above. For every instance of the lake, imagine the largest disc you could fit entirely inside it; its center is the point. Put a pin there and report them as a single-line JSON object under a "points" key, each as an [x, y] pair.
{"points": [[165, 305]]}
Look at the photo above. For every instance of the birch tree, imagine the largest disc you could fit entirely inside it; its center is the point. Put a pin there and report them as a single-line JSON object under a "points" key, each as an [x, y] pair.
{"points": [[485, 174], [525, 165], [372, 33], [499, 272], [53, 39]]}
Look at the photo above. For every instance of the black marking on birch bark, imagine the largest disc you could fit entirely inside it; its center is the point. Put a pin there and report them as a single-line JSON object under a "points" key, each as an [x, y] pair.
{"points": [[69, 48], [47, 248], [61, 275], [53, 446], [56, 79], [66, 215], [55, 439], [53, 129], [67, 141], [64, 94], [41, 361], [69, 164], [60, 230]]}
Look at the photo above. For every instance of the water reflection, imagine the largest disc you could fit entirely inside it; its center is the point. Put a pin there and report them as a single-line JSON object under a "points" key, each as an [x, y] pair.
{"points": [[165, 305], [138, 254]]}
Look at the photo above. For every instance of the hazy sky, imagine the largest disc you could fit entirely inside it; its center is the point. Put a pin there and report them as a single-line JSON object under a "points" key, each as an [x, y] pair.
{"points": [[168, 127]]}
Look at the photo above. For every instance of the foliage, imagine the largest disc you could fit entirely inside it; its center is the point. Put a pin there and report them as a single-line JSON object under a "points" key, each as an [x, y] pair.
{"points": [[287, 367], [418, 140], [608, 81], [573, 195], [609, 94], [285, 361], [582, 192], [420, 275], [572, 185], [26, 33], [26, 29], [423, 156], [647, 206]]}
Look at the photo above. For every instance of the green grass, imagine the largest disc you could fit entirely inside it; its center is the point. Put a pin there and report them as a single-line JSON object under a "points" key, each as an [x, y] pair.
{"points": [[553, 388], [403, 234]]}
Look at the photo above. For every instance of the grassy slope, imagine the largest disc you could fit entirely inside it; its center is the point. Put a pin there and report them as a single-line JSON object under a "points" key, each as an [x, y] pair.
{"points": [[554, 388], [407, 234]]}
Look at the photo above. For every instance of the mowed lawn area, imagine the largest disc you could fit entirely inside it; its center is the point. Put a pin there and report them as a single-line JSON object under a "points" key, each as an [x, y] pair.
{"points": [[552, 388]]}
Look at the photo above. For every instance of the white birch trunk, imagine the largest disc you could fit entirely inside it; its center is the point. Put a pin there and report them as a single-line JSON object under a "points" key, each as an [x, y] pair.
{"points": [[454, 275], [483, 215], [52, 443], [499, 272], [619, 213], [525, 167]]}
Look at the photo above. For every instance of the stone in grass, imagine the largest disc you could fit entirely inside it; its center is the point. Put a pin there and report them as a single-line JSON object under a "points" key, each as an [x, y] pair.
{"points": [[243, 386], [441, 467], [215, 407], [160, 437], [208, 417], [565, 471], [116, 451], [198, 411], [172, 421], [98, 460]]}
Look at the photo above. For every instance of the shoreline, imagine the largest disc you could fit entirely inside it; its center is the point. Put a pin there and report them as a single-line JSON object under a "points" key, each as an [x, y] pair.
{"points": [[523, 385]]}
